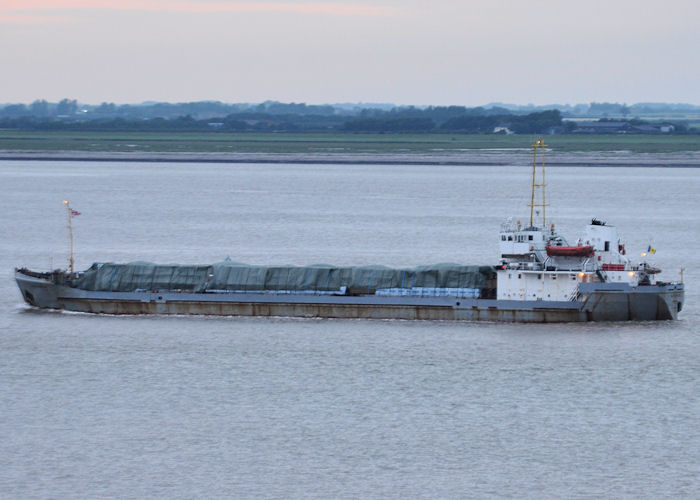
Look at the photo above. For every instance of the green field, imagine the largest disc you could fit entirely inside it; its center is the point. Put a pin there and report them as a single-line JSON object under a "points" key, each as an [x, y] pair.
{"points": [[215, 142]]}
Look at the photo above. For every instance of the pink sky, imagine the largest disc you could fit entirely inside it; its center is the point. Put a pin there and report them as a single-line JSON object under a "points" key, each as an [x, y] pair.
{"points": [[42, 10]]}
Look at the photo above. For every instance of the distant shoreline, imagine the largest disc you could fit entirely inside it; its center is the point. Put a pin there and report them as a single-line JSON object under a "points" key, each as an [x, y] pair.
{"points": [[472, 158]]}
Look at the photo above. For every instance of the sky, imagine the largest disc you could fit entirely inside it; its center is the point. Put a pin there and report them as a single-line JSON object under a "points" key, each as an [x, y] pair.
{"points": [[434, 52]]}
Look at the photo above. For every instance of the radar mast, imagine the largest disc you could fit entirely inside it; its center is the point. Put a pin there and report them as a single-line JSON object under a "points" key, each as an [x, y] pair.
{"points": [[538, 184]]}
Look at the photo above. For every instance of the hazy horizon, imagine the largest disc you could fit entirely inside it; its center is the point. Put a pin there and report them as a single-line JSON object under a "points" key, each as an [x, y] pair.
{"points": [[350, 103], [398, 52]]}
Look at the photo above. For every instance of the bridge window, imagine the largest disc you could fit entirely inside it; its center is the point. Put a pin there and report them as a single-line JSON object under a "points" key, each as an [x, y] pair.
{"points": [[607, 246], [529, 237]]}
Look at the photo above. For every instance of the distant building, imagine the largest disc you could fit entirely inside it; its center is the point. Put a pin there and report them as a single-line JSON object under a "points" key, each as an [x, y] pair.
{"points": [[616, 127], [602, 127], [502, 129]]}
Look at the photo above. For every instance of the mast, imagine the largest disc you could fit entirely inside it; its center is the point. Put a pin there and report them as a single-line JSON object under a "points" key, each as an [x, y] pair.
{"points": [[539, 144], [69, 211]]}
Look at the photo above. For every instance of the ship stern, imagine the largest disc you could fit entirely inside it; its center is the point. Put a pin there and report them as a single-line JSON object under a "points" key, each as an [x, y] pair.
{"points": [[622, 302]]}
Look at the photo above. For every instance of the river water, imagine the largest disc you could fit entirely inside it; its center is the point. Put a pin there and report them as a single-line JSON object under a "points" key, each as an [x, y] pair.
{"points": [[183, 407]]}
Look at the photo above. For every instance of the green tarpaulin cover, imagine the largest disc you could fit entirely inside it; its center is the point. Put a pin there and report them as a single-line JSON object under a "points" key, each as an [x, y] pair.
{"points": [[231, 276]]}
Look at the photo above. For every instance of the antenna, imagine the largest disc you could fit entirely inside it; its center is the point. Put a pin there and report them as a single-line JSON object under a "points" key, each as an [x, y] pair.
{"points": [[538, 144], [69, 210]]}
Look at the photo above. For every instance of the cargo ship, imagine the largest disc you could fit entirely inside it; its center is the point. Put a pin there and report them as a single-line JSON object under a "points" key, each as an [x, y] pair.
{"points": [[540, 277]]}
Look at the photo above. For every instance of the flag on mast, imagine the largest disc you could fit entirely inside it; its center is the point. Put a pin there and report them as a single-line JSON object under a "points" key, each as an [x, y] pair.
{"points": [[74, 213]]}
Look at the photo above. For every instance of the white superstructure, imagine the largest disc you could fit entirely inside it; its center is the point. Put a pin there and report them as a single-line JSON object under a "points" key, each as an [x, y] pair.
{"points": [[537, 263]]}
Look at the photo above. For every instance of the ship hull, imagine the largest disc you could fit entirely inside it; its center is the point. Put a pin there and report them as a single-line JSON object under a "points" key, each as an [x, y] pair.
{"points": [[599, 303]]}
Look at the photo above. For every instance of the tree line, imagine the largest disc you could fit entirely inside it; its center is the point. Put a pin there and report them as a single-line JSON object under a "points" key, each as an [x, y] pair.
{"points": [[542, 122], [292, 117]]}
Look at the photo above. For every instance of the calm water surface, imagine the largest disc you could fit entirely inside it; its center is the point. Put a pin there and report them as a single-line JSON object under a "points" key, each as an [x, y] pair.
{"points": [[100, 406]]}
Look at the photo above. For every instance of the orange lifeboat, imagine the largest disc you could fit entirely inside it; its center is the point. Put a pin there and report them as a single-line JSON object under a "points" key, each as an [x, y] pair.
{"points": [[581, 251]]}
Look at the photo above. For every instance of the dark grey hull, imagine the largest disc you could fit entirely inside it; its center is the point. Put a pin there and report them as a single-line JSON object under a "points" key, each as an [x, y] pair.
{"points": [[601, 302]]}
